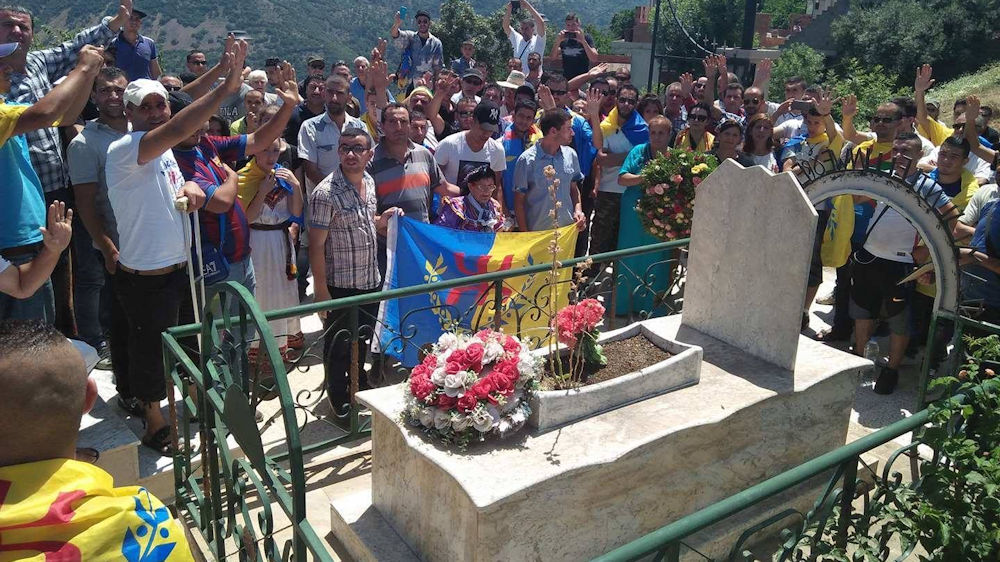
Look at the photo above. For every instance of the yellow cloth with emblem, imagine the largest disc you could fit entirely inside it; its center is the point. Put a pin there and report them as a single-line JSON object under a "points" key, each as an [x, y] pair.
{"points": [[66, 510]]}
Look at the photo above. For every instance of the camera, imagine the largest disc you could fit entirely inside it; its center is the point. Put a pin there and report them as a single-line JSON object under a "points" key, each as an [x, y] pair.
{"points": [[570, 35], [515, 6]]}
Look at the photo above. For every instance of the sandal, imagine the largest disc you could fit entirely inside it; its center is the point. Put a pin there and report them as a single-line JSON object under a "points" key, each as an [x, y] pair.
{"points": [[160, 442], [88, 455]]}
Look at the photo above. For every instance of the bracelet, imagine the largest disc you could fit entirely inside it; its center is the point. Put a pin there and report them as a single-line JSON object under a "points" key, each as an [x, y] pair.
{"points": [[297, 219]]}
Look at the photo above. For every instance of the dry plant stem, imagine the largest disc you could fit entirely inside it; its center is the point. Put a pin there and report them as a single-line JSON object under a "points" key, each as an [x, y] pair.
{"points": [[555, 364]]}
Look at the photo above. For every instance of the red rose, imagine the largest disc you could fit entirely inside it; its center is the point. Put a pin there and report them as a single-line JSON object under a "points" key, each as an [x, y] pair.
{"points": [[420, 371], [474, 357], [510, 345], [504, 385], [421, 387], [445, 401], [452, 367], [430, 362], [507, 370], [482, 389], [467, 402]]}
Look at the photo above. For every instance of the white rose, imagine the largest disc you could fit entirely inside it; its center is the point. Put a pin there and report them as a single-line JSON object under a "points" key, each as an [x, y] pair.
{"points": [[442, 419], [461, 422], [427, 417], [437, 376], [454, 385], [492, 351], [447, 341], [482, 421]]}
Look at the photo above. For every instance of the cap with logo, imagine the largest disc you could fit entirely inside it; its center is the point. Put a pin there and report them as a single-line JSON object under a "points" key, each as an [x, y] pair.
{"points": [[137, 90], [487, 114]]}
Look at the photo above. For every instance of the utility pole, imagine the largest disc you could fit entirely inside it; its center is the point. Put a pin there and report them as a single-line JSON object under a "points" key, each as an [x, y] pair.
{"points": [[749, 19], [652, 46]]}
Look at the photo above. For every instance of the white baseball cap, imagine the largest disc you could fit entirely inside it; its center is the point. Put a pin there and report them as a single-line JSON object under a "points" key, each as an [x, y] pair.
{"points": [[7, 49], [137, 90]]}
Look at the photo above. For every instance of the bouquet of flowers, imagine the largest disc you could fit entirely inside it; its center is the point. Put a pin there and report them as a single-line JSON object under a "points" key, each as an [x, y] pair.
{"points": [[576, 327], [666, 205], [470, 387]]}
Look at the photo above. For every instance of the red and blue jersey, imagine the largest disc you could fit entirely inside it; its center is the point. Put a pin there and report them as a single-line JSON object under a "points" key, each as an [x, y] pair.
{"points": [[203, 165]]}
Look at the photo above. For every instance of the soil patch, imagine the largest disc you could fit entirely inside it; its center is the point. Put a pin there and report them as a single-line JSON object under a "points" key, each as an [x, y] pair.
{"points": [[624, 357]]}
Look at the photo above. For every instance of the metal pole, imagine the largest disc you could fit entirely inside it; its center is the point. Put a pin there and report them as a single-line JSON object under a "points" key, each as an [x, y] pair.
{"points": [[652, 46], [749, 21]]}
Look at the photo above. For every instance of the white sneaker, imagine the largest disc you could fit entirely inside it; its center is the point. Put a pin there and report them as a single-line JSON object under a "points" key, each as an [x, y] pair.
{"points": [[826, 299]]}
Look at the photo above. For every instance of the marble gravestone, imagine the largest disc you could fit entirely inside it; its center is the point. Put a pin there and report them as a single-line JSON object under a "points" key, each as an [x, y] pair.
{"points": [[751, 246], [767, 401]]}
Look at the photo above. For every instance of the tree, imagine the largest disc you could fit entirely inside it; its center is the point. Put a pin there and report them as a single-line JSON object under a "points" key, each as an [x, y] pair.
{"points": [[872, 86], [458, 21], [956, 36], [621, 22], [798, 60]]}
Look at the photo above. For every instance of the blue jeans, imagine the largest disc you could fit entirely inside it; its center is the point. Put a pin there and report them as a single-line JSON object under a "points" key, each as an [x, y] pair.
{"points": [[91, 293], [241, 272], [39, 306]]}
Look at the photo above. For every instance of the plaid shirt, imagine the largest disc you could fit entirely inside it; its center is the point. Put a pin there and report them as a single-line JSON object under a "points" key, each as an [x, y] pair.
{"points": [[42, 68], [351, 250]]}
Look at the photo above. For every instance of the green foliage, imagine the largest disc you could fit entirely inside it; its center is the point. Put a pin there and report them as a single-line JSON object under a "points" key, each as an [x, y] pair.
{"points": [[781, 9], [669, 183], [797, 60], [956, 36], [602, 39], [458, 21], [709, 22], [621, 22], [872, 86]]}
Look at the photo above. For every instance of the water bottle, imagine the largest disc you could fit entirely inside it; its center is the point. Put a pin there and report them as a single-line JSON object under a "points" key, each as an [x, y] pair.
{"points": [[872, 354]]}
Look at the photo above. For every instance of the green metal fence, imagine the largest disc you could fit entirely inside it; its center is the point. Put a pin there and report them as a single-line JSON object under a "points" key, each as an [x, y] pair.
{"points": [[231, 497]]}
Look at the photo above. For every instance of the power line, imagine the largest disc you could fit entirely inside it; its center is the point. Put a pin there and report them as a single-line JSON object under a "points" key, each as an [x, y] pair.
{"points": [[680, 26]]}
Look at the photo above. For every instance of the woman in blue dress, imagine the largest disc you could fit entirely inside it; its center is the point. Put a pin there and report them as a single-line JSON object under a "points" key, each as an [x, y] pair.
{"points": [[642, 280]]}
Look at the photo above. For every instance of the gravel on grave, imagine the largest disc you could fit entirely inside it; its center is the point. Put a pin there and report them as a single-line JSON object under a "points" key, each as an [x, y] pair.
{"points": [[624, 357]]}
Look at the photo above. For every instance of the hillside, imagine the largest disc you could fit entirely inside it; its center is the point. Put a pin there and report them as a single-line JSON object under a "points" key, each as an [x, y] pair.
{"points": [[292, 29], [984, 83]]}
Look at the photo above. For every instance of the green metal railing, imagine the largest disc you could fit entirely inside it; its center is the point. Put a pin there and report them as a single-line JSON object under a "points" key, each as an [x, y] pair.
{"points": [[834, 515], [231, 497]]}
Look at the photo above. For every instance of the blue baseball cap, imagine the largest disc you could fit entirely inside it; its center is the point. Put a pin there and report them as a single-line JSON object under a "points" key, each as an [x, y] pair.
{"points": [[7, 49]]}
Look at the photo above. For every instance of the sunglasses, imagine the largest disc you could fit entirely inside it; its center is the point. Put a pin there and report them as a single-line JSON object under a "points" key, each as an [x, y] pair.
{"points": [[317, 65], [358, 149], [173, 88], [697, 117], [884, 120], [751, 101], [199, 62], [630, 101], [558, 92], [464, 113]]}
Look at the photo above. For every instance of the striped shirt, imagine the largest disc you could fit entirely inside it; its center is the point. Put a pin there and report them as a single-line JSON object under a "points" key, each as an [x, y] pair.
{"points": [[408, 184], [351, 250], [42, 68]]}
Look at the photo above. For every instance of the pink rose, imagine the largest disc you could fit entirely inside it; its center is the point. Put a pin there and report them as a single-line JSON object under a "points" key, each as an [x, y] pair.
{"points": [[421, 387], [474, 357], [511, 345], [696, 180], [658, 189], [482, 388], [677, 178], [467, 402], [445, 401]]}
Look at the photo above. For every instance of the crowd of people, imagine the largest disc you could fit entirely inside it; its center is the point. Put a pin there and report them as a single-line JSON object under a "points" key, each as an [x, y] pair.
{"points": [[297, 180]]}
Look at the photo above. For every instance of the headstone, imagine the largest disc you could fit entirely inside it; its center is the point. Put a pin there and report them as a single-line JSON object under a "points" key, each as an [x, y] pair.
{"points": [[751, 246]]}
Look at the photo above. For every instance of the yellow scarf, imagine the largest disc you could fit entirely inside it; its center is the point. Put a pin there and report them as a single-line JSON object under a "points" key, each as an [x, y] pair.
{"points": [[250, 177], [68, 510]]}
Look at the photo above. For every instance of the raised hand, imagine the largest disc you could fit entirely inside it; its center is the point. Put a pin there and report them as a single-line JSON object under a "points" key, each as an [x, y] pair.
{"points": [[687, 83], [288, 87], [849, 105], [598, 70], [823, 103], [594, 102], [545, 98], [378, 52], [923, 81], [972, 105], [60, 227], [91, 58], [234, 77], [378, 75]]}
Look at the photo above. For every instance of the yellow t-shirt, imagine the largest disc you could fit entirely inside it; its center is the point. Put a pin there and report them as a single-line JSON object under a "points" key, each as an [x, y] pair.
{"points": [[880, 156], [68, 510], [935, 131], [9, 114]]}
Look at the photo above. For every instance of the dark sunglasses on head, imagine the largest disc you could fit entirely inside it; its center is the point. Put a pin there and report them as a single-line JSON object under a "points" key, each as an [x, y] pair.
{"points": [[558, 92], [352, 148], [884, 119], [631, 101], [697, 117]]}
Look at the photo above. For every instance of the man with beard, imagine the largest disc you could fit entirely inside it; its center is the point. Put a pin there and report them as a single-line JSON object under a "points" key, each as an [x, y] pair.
{"points": [[424, 49], [320, 135]]}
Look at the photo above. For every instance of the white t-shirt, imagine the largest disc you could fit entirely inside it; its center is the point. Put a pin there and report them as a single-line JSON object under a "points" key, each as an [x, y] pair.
{"points": [[616, 143], [150, 229], [457, 97], [457, 159], [890, 235], [522, 50]]}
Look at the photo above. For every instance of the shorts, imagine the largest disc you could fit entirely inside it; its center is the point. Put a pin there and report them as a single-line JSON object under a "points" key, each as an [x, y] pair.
{"points": [[875, 293]]}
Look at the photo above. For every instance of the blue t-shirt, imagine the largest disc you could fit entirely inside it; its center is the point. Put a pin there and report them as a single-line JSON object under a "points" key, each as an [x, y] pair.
{"points": [[22, 202], [134, 60]]}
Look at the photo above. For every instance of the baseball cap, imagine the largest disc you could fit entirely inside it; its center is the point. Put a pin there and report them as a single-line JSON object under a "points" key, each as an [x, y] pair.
{"points": [[314, 58], [7, 49], [472, 73], [421, 13], [137, 90], [935, 103], [487, 114], [178, 101]]}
